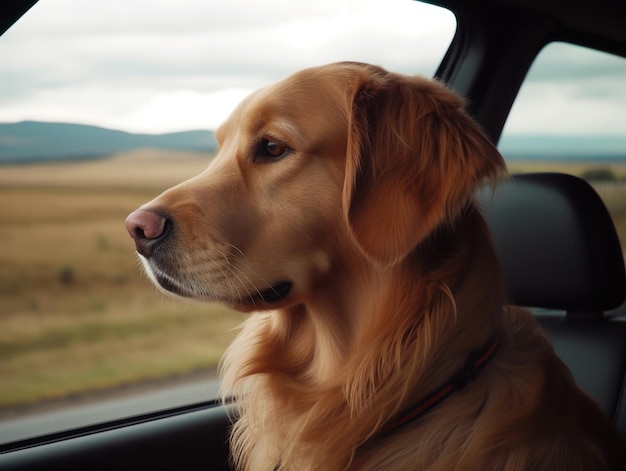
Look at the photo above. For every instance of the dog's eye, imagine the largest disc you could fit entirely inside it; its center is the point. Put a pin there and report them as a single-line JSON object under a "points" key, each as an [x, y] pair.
{"points": [[271, 151], [274, 149]]}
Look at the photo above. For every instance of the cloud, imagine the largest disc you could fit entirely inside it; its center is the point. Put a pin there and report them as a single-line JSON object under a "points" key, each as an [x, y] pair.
{"points": [[543, 108], [571, 90], [158, 65], [125, 63], [184, 109], [564, 62]]}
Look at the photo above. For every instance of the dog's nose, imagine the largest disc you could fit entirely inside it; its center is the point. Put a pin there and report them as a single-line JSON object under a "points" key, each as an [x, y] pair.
{"points": [[146, 228]]}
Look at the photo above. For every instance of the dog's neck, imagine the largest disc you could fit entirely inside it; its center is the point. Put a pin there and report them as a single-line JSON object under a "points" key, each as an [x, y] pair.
{"points": [[430, 297]]}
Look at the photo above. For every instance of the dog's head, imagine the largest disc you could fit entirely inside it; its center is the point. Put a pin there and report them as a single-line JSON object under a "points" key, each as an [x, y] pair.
{"points": [[333, 164]]}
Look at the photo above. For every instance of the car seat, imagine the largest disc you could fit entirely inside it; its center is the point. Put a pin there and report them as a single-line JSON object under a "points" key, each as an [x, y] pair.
{"points": [[562, 258]]}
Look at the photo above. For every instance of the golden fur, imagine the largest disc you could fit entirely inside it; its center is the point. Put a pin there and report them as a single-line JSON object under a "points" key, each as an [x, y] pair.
{"points": [[369, 214]]}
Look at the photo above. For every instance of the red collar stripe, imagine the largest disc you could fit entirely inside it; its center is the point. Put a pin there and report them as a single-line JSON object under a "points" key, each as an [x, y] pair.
{"points": [[474, 363]]}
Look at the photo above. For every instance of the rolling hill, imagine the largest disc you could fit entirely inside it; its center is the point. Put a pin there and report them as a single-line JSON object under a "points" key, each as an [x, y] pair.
{"points": [[31, 141]]}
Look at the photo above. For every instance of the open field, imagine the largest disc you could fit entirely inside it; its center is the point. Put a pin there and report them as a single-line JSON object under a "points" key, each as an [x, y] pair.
{"points": [[575, 168], [76, 313]]}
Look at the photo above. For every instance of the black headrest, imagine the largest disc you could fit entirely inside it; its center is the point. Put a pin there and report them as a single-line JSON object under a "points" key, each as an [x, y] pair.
{"points": [[557, 243]]}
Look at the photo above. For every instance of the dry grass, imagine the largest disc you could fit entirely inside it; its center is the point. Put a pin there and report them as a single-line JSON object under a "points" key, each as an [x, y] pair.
{"points": [[139, 171], [76, 313], [574, 168]]}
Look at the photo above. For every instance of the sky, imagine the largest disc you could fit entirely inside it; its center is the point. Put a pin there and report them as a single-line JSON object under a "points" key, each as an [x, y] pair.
{"points": [[164, 65]]}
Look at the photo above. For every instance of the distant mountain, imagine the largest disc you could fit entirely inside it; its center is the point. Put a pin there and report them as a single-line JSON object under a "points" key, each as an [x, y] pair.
{"points": [[570, 148], [31, 141]]}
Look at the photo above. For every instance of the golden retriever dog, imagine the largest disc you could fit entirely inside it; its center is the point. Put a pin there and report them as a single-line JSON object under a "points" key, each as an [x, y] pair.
{"points": [[339, 209]]}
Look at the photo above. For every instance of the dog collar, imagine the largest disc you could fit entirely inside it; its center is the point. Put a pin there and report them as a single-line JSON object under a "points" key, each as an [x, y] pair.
{"points": [[475, 361]]}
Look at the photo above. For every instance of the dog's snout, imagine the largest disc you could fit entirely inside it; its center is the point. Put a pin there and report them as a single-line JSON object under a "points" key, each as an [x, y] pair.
{"points": [[146, 228]]}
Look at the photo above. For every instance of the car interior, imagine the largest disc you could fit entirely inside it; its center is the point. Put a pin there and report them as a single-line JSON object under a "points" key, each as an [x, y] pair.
{"points": [[561, 253], [557, 243]]}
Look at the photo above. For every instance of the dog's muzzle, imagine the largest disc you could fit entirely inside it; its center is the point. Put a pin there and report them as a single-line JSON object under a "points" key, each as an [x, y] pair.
{"points": [[150, 230]]}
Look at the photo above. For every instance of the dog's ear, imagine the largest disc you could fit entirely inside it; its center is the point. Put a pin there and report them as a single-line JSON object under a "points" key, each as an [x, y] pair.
{"points": [[414, 160]]}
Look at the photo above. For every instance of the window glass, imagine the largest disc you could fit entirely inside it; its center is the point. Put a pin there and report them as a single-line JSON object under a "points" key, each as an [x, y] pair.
{"points": [[78, 319], [569, 117]]}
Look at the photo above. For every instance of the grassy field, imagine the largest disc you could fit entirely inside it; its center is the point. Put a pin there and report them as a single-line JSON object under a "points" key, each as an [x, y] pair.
{"points": [[76, 313]]}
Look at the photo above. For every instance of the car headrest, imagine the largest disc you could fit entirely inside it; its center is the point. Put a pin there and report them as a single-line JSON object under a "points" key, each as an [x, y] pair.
{"points": [[557, 243]]}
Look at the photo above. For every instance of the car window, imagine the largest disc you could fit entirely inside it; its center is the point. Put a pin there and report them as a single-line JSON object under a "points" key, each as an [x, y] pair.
{"points": [[569, 117], [88, 91]]}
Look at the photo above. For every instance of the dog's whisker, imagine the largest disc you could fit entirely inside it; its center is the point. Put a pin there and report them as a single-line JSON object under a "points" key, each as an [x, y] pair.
{"points": [[249, 266], [231, 269]]}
